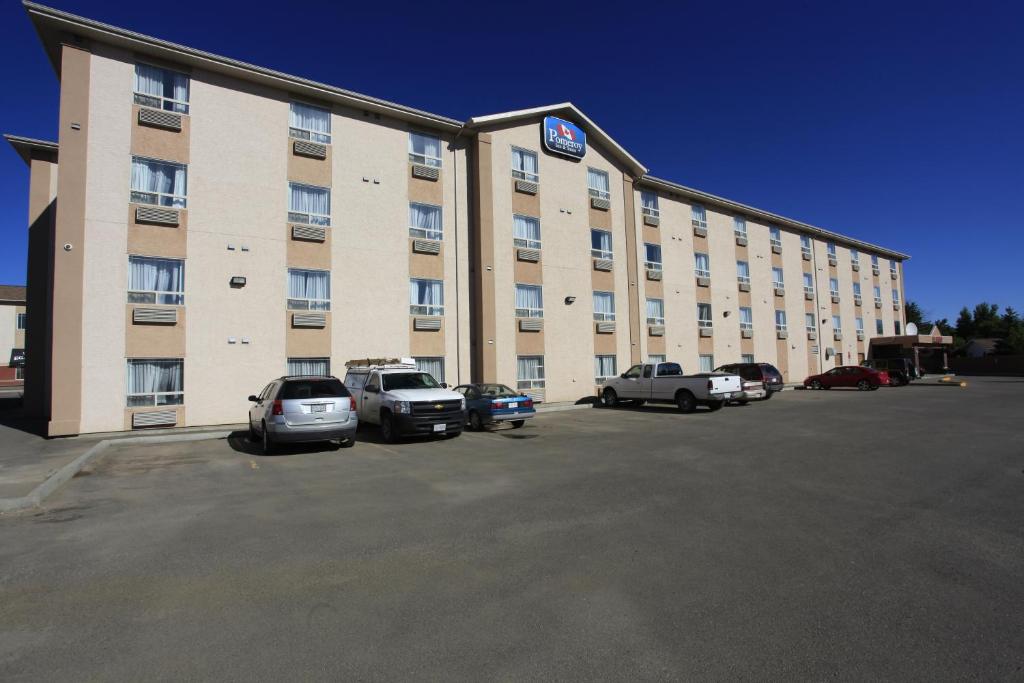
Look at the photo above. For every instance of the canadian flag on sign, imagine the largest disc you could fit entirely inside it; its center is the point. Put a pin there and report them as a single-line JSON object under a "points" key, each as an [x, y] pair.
{"points": [[564, 131]]}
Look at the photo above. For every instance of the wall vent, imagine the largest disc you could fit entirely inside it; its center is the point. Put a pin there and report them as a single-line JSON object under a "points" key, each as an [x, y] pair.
{"points": [[426, 246], [602, 204], [309, 233], [532, 255], [531, 324], [155, 316], [425, 172], [427, 324], [156, 215], [155, 418], [656, 330], [156, 118], [313, 150], [602, 264], [309, 320], [526, 187], [605, 327]]}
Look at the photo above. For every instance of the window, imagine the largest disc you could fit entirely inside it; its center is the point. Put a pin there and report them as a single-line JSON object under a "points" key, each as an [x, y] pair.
{"points": [[701, 265], [155, 382], [656, 358], [859, 324], [837, 323], [698, 216], [743, 272], [529, 301], [22, 321], [156, 281], [633, 372], [425, 221], [649, 204], [530, 372], [312, 367], [856, 290], [746, 318], [425, 149], [604, 306], [739, 226], [432, 365], [19, 373], [704, 315], [309, 290], [747, 358], [162, 183], [809, 283], [892, 267], [896, 326], [655, 311], [780, 321], [878, 326], [524, 165], [878, 295], [805, 244], [854, 256], [600, 243], [597, 184], [707, 362], [604, 367], [777, 280], [775, 236], [426, 297], [309, 204], [832, 249], [161, 88], [652, 256], [810, 322], [895, 296], [526, 231], [874, 260], [307, 122], [833, 286]]}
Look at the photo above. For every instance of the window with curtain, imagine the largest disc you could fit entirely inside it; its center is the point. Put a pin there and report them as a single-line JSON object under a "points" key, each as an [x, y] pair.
{"points": [[309, 204], [856, 289], [892, 267], [604, 306], [743, 272], [155, 382], [746, 318], [832, 249], [309, 290], [432, 365], [524, 165], [156, 281], [854, 256], [809, 283], [162, 183], [805, 243], [426, 297], [529, 301], [878, 294], [777, 279], [425, 149], [698, 216], [895, 296], [859, 322], [597, 184], [704, 315], [776, 236], [810, 322], [747, 358], [707, 362], [837, 323], [307, 122], [878, 326], [833, 286], [655, 311], [652, 256], [604, 367], [739, 226], [702, 266], [161, 88], [311, 367], [600, 243], [529, 372], [649, 204], [874, 260], [656, 358], [425, 221], [780, 321], [526, 231]]}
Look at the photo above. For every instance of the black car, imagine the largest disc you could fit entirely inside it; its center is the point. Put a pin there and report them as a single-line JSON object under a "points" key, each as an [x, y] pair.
{"points": [[765, 372]]}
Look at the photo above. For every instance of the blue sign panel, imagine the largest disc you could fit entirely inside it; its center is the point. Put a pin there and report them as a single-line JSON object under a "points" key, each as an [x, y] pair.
{"points": [[562, 137]]}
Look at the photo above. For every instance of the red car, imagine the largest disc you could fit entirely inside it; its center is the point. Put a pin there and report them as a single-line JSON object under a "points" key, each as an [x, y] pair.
{"points": [[854, 376]]}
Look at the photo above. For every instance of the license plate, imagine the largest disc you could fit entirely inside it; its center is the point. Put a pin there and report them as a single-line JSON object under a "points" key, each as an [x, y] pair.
{"points": [[513, 405], [439, 428], [319, 407]]}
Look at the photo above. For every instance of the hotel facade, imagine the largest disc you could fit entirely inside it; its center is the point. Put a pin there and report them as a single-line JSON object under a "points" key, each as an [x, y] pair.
{"points": [[202, 225]]}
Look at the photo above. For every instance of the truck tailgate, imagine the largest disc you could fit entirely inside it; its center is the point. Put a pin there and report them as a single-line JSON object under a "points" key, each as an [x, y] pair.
{"points": [[721, 384]]}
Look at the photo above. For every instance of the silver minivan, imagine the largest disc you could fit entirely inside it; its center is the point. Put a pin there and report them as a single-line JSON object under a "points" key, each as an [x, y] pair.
{"points": [[301, 409]]}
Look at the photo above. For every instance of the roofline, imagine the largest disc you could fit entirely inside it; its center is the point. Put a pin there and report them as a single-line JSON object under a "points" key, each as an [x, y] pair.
{"points": [[630, 161], [25, 146], [769, 216], [46, 18]]}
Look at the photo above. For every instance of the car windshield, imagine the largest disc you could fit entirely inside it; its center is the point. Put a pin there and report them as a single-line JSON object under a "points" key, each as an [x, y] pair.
{"points": [[410, 380], [312, 388], [496, 391]]}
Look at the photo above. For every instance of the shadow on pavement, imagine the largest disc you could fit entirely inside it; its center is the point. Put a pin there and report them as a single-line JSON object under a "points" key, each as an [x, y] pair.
{"points": [[12, 415]]}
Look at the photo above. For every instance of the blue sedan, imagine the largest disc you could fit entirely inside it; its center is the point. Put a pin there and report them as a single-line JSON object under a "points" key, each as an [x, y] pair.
{"points": [[491, 403]]}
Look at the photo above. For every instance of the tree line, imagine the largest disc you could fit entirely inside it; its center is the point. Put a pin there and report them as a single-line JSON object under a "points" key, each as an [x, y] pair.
{"points": [[985, 321]]}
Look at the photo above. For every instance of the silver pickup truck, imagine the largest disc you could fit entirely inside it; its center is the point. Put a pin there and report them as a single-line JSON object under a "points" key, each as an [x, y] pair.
{"points": [[666, 383]]}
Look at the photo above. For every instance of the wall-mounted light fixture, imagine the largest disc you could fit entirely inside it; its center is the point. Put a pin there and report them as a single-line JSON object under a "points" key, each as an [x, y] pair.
{"points": [[569, 300], [238, 281]]}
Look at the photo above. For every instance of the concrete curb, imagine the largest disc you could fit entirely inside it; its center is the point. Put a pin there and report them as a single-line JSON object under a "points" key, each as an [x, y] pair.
{"points": [[556, 408], [58, 478]]}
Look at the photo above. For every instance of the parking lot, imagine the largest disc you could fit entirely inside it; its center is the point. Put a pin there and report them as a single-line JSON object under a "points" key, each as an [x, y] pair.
{"points": [[841, 534]]}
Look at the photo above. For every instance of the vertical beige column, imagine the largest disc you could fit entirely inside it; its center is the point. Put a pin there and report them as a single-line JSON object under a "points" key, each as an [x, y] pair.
{"points": [[631, 269], [484, 327], [41, 210], [69, 244]]}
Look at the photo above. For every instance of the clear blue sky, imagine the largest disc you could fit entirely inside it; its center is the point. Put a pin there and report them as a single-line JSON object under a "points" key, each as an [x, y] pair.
{"points": [[898, 123]]}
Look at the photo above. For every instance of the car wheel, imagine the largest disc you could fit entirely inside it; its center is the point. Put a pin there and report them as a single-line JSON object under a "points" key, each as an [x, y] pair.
{"points": [[475, 423], [348, 443], [267, 443], [768, 394], [609, 399], [715, 405], [863, 385], [742, 403], [815, 384], [387, 428], [253, 436], [686, 402], [516, 424]]}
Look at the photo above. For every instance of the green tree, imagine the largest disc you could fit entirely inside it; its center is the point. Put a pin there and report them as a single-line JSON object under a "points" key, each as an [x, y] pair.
{"points": [[965, 324], [915, 315], [987, 322], [944, 327]]}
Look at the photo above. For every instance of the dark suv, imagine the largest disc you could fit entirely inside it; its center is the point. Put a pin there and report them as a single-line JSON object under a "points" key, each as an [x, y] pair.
{"points": [[753, 372], [901, 370]]}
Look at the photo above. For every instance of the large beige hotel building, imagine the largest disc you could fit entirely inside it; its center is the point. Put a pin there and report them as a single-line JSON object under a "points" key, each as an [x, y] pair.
{"points": [[202, 225]]}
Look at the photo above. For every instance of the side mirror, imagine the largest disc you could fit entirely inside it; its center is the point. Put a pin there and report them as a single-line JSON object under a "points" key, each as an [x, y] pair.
{"points": [[371, 390], [444, 385], [253, 398]]}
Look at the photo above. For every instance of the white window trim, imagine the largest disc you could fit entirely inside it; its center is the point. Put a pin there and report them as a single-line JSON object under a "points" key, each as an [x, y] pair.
{"points": [[705, 323], [530, 382], [701, 222], [436, 310], [601, 378], [604, 317], [522, 241], [425, 159], [596, 191], [737, 221], [306, 133], [775, 237], [744, 325], [601, 253], [519, 173], [778, 283], [129, 395], [423, 233], [137, 96], [134, 195], [654, 212], [783, 326], [309, 304], [157, 293], [530, 312], [652, 265], [659, 320], [308, 218]]}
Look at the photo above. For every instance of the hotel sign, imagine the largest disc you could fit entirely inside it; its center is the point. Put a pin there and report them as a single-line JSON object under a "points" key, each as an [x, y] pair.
{"points": [[565, 138], [17, 358]]}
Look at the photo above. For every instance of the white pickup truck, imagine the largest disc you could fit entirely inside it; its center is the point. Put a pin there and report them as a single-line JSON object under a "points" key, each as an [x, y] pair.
{"points": [[404, 401], [666, 383]]}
